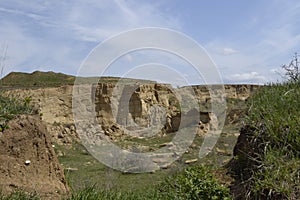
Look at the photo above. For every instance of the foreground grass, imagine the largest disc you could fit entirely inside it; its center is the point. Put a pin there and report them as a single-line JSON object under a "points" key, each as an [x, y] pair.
{"points": [[269, 163], [95, 193], [196, 182], [19, 195]]}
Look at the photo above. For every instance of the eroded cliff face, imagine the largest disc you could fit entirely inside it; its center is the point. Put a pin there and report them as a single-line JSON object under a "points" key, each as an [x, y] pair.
{"points": [[134, 107], [55, 108]]}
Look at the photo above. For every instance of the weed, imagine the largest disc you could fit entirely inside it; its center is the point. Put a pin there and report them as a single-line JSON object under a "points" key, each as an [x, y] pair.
{"points": [[195, 182], [10, 107]]}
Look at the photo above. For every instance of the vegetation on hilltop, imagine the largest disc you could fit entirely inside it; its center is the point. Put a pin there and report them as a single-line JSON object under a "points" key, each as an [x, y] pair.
{"points": [[53, 79], [36, 79]]}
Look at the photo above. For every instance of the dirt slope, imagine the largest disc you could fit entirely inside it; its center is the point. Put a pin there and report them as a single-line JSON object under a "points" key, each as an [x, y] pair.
{"points": [[28, 160]]}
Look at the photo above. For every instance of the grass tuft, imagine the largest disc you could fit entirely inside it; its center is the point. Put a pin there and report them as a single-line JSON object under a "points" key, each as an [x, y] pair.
{"points": [[197, 182], [20, 195], [10, 107]]}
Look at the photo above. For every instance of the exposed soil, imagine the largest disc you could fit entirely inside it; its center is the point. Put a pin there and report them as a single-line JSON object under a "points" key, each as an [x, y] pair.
{"points": [[28, 160]]}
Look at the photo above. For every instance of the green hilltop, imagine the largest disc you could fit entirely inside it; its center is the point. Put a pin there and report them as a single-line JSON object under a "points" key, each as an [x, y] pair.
{"points": [[53, 79], [35, 79]]}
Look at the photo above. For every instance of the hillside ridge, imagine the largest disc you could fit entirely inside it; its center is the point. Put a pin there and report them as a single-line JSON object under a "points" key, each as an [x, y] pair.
{"points": [[55, 79]]}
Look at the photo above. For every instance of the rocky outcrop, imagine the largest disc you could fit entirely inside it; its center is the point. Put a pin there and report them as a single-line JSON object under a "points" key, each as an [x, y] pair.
{"points": [[28, 160], [128, 106], [136, 106]]}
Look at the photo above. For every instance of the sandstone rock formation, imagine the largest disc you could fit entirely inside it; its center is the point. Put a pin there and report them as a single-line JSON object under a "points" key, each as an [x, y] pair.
{"points": [[133, 107]]}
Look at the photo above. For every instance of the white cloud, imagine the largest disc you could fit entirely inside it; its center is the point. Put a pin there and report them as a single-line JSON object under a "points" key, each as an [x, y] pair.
{"points": [[229, 51], [250, 77]]}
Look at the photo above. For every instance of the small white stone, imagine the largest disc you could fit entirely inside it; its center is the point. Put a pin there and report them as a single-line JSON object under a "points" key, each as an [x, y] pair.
{"points": [[53, 145], [27, 162]]}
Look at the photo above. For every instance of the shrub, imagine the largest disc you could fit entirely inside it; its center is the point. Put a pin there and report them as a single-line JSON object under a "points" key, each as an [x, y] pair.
{"points": [[292, 71], [193, 183]]}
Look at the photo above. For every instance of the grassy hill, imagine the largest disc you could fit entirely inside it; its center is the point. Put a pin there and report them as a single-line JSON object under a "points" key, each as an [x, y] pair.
{"points": [[35, 79], [53, 79]]}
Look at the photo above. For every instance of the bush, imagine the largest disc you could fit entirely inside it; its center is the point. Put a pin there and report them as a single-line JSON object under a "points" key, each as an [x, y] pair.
{"points": [[292, 71], [194, 183]]}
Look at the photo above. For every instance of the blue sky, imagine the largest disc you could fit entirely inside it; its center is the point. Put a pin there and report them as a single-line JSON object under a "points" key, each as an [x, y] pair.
{"points": [[248, 40]]}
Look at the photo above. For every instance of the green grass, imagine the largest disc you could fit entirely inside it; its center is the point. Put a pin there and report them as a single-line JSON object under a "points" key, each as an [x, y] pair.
{"points": [[19, 195], [270, 164], [93, 192], [9, 108], [276, 110], [196, 182], [36, 79], [91, 171], [277, 177], [53, 79]]}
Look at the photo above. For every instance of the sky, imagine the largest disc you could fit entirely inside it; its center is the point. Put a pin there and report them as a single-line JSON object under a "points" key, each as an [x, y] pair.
{"points": [[248, 41]]}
